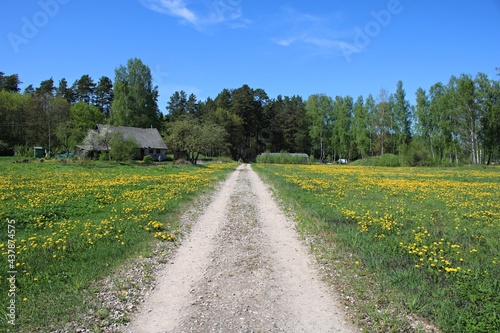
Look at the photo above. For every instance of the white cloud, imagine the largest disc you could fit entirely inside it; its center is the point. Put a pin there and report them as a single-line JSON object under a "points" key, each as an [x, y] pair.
{"points": [[320, 32], [217, 12], [285, 42], [319, 42], [171, 7]]}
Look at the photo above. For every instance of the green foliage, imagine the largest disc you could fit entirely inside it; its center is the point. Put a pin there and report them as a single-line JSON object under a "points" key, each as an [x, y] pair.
{"points": [[122, 149], [386, 160], [458, 120], [147, 159], [9, 83], [341, 129], [180, 105], [389, 160], [135, 97], [104, 156], [360, 128], [319, 109], [83, 117], [24, 151], [190, 138], [3, 145], [418, 154], [282, 158]]}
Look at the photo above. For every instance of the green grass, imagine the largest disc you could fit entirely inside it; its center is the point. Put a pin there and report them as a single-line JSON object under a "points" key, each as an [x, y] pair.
{"points": [[408, 245], [77, 223]]}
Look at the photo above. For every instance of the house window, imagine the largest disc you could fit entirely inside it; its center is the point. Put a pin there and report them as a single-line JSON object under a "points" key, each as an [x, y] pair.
{"points": [[142, 152], [158, 151]]}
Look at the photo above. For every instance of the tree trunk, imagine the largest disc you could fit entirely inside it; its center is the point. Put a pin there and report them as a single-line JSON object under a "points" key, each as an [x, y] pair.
{"points": [[432, 149]]}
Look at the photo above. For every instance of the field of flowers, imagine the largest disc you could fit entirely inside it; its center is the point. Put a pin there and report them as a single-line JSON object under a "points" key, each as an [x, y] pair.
{"points": [[69, 224], [433, 234]]}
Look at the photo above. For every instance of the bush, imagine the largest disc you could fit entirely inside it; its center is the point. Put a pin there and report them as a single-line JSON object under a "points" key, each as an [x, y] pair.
{"points": [[282, 158], [418, 154], [104, 156], [3, 145], [389, 160], [147, 159], [386, 160], [123, 149], [24, 151]]}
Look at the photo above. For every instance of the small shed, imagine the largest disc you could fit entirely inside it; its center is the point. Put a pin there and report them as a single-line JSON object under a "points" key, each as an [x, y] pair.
{"points": [[39, 152]]}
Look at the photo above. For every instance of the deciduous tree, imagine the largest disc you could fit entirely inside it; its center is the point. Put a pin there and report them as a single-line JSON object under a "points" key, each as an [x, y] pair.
{"points": [[318, 111], [191, 138], [135, 97]]}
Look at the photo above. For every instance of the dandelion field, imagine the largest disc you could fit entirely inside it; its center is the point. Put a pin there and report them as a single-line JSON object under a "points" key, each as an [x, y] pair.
{"points": [[430, 234], [74, 223]]}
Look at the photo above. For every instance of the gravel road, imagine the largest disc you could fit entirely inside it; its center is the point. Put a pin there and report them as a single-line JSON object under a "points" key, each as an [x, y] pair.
{"points": [[241, 269]]}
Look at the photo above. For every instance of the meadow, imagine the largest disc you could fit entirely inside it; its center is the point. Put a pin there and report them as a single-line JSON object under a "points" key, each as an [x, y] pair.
{"points": [[64, 226], [407, 246]]}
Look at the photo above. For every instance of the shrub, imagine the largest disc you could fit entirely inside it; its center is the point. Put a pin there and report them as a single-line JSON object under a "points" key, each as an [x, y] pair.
{"points": [[147, 159], [389, 160], [3, 145], [386, 160], [123, 149], [24, 151], [282, 158], [104, 156]]}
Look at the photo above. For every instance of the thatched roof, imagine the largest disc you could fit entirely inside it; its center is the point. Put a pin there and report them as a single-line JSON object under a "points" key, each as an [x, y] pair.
{"points": [[145, 137]]}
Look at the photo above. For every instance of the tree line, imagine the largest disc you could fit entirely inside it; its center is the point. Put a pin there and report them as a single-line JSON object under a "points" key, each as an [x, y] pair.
{"points": [[457, 122]]}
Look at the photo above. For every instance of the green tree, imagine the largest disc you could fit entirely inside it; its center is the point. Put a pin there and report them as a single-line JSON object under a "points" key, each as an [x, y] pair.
{"points": [[360, 127], [135, 97], [488, 98], [83, 117], [84, 89], [64, 132], [9, 83], [104, 96], [29, 90], [122, 149], [248, 104], [342, 119], [49, 112], [402, 119], [382, 118], [180, 105], [318, 111], [425, 126], [467, 115], [288, 124], [66, 92], [371, 108], [14, 118], [189, 137], [46, 88]]}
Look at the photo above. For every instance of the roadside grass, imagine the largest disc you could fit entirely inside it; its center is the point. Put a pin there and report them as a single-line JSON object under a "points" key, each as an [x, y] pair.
{"points": [[410, 248], [76, 223]]}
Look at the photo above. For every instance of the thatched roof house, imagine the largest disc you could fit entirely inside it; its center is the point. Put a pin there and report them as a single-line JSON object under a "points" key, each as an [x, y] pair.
{"points": [[149, 140]]}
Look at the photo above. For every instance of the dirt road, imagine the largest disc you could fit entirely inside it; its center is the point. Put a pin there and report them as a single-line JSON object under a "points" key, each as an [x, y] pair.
{"points": [[242, 269]]}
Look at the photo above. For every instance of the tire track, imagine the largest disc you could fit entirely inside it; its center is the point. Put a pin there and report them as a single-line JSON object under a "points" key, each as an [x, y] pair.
{"points": [[242, 269]]}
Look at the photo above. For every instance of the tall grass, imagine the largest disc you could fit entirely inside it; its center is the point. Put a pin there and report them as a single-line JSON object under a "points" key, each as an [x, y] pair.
{"points": [[75, 223], [426, 240]]}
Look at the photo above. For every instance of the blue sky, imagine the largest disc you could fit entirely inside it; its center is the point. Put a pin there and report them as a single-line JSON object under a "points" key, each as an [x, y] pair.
{"points": [[284, 47]]}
